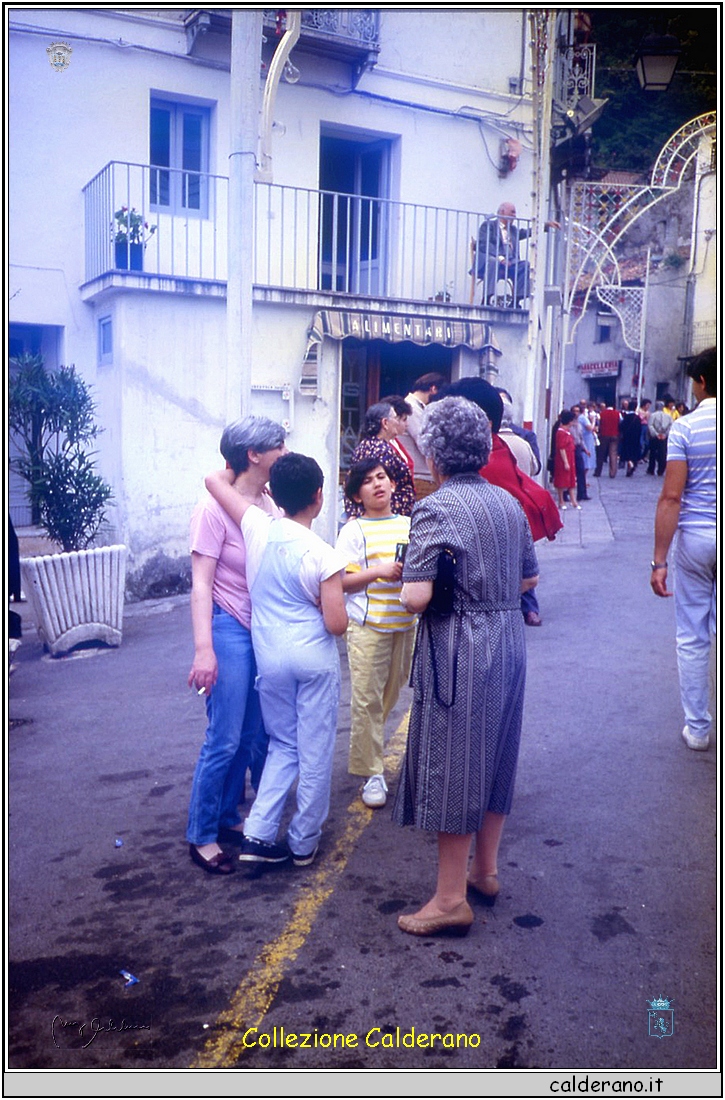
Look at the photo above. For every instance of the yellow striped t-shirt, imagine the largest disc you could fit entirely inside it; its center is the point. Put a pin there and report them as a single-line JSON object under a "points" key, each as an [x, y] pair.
{"points": [[363, 542]]}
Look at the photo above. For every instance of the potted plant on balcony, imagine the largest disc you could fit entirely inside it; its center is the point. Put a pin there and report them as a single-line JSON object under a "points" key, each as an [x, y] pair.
{"points": [[77, 594], [131, 234]]}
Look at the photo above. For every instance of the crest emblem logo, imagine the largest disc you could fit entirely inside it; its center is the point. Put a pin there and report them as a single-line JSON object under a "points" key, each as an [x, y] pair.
{"points": [[59, 55], [661, 1018]]}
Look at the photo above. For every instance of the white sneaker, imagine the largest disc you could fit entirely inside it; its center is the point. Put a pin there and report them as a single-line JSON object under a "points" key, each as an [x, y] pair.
{"points": [[375, 792], [699, 744]]}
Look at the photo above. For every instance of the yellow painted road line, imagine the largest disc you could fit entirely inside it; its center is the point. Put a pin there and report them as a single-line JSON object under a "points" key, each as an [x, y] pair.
{"points": [[255, 994]]}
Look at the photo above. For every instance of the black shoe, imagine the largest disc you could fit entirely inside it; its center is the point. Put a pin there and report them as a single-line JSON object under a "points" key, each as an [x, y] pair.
{"points": [[257, 851], [305, 861], [231, 836], [585, 497]]}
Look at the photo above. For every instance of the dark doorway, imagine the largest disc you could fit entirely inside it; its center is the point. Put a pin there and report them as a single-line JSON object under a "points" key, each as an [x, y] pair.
{"points": [[603, 389], [354, 185], [372, 369]]}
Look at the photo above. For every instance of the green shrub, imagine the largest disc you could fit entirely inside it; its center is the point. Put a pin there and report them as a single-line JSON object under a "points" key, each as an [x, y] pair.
{"points": [[52, 422]]}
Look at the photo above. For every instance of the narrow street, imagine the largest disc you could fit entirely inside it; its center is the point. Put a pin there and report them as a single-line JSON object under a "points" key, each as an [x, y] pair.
{"points": [[608, 868]]}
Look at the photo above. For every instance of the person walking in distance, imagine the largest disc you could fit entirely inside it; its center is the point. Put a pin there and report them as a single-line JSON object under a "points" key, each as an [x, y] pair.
{"points": [[658, 426], [608, 440]]}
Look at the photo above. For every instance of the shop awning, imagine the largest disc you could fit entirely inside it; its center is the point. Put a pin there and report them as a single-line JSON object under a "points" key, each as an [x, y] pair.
{"points": [[396, 327]]}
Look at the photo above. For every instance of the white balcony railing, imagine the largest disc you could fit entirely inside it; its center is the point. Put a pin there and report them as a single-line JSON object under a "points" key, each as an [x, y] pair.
{"points": [[304, 239], [353, 244], [177, 222]]}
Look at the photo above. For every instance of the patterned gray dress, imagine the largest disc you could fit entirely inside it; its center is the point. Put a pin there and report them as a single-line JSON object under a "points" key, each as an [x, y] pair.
{"points": [[470, 667]]}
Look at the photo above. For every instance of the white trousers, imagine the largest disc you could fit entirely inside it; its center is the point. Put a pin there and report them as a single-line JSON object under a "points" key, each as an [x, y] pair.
{"points": [[695, 609], [300, 716]]}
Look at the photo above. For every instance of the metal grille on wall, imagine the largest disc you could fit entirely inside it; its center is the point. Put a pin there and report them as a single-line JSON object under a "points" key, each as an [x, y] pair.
{"points": [[575, 73], [600, 213], [628, 303]]}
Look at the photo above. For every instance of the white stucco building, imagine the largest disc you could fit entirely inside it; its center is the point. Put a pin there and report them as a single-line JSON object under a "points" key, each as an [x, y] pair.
{"points": [[394, 135]]}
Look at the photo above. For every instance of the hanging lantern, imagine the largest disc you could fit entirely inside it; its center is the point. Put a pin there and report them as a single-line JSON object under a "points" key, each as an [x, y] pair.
{"points": [[656, 61]]}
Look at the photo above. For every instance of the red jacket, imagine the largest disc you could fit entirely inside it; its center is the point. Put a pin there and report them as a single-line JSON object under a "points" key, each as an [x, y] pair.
{"points": [[609, 423], [537, 503]]}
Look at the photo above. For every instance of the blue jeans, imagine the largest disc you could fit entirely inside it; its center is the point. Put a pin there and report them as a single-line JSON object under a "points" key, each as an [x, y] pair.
{"points": [[235, 738], [695, 610]]}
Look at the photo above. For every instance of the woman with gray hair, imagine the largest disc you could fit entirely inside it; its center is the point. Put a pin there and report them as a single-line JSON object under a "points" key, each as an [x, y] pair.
{"points": [[470, 663], [223, 670]]}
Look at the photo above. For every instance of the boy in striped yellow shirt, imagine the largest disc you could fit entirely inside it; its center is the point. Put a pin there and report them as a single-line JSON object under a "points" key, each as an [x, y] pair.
{"points": [[380, 632]]}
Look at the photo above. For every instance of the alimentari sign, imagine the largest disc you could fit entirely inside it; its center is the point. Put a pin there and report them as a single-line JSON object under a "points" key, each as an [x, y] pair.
{"points": [[607, 369], [395, 327]]}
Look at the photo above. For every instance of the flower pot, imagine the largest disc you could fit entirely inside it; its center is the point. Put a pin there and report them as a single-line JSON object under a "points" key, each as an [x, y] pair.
{"points": [[77, 597], [129, 257]]}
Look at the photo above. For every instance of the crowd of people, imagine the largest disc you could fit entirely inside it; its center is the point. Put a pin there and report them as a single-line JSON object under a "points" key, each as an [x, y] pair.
{"points": [[432, 579], [437, 587], [590, 434]]}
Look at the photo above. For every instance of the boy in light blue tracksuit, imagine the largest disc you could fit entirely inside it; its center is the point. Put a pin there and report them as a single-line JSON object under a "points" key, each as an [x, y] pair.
{"points": [[295, 584]]}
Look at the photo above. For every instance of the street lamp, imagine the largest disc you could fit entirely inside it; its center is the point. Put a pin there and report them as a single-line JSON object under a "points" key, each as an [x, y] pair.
{"points": [[656, 61]]}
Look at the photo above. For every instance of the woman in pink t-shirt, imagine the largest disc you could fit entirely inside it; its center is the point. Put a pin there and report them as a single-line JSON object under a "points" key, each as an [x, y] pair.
{"points": [[224, 669]]}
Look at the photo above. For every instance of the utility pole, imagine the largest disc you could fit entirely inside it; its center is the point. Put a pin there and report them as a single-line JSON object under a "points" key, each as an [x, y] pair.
{"points": [[543, 26], [643, 332], [244, 124]]}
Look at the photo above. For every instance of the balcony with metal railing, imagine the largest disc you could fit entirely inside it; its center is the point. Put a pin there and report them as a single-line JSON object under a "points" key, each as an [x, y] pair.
{"points": [[165, 228], [382, 248], [143, 220], [347, 35]]}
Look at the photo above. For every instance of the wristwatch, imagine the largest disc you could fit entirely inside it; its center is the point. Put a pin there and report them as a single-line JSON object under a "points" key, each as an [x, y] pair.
{"points": [[658, 564]]}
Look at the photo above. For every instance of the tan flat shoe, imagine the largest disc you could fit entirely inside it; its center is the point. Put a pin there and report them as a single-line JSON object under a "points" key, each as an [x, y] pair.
{"points": [[486, 888], [455, 923]]}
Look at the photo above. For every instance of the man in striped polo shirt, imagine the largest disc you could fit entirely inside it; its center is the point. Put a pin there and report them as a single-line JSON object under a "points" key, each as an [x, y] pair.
{"points": [[380, 631], [688, 505]]}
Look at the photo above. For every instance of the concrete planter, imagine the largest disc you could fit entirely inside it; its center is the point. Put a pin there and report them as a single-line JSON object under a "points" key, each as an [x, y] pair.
{"points": [[77, 597]]}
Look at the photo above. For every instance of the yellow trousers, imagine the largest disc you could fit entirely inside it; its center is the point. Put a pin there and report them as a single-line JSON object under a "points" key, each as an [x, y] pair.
{"points": [[379, 666]]}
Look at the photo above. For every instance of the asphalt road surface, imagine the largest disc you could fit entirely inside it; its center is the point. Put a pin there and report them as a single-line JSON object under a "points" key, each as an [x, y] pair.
{"points": [[608, 864]]}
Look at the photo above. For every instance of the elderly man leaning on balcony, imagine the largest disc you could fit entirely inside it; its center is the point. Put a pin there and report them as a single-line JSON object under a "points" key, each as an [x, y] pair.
{"points": [[497, 254]]}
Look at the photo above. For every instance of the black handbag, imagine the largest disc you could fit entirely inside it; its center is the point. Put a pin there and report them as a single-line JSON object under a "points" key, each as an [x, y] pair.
{"points": [[444, 585], [441, 603]]}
